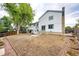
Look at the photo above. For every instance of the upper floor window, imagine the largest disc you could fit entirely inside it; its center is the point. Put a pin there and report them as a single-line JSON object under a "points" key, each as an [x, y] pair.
{"points": [[50, 17]]}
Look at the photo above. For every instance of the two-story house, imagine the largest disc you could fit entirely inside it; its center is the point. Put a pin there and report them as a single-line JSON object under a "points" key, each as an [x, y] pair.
{"points": [[51, 21]]}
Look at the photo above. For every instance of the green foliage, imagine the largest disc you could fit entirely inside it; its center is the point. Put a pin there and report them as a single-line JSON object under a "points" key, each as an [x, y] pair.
{"points": [[5, 24], [68, 29], [77, 25], [21, 13], [12, 10], [6, 21], [1, 27], [26, 14]]}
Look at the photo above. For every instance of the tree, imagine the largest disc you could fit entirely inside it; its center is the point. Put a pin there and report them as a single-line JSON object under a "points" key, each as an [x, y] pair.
{"points": [[68, 29], [1, 27], [5, 23], [77, 25], [20, 13]]}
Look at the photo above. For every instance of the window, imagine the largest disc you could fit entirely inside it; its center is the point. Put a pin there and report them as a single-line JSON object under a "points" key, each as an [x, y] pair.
{"points": [[50, 26], [43, 28], [50, 17]]}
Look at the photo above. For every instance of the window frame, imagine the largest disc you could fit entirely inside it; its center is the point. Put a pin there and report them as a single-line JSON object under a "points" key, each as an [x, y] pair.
{"points": [[50, 17], [43, 27], [51, 26]]}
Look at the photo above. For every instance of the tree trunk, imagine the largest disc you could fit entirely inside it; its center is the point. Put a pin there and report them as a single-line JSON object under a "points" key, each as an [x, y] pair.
{"points": [[18, 29]]}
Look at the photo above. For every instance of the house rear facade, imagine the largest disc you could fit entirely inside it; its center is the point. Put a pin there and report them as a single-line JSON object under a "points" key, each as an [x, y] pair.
{"points": [[51, 21]]}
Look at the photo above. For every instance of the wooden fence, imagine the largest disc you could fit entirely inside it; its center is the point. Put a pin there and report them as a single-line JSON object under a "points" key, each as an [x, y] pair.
{"points": [[10, 33]]}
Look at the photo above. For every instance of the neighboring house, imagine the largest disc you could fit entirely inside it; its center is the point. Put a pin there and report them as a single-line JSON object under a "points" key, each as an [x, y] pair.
{"points": [[50, 21], [33, 28]]}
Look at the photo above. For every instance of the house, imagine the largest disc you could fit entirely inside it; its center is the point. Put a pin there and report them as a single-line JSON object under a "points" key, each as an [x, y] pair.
{"points": [[33, 28], [51, 21]]}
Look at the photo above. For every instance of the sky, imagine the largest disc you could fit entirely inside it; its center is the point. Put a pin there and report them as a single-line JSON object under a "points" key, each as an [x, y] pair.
{"points": [[71, 10]]}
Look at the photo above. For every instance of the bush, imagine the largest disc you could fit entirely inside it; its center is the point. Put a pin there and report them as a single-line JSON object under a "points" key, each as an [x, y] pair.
{"points": [[69, 29], [1, 28]]}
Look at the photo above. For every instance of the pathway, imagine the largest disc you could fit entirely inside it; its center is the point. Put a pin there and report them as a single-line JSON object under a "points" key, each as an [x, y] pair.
{"points": [[8, 49]]}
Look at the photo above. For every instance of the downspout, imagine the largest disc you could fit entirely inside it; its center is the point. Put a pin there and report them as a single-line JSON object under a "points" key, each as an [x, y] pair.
{"points": [[63, 20]]}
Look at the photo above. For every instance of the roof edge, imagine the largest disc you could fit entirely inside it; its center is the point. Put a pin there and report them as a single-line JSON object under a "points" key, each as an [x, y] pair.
{"points": [[50, 11]]}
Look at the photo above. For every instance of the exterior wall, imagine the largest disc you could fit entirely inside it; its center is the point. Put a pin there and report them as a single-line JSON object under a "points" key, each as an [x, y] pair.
{"points": [[34, 28], [57, 21]]}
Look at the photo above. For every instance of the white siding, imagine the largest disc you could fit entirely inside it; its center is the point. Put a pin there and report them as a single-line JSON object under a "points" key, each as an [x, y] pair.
{"points": [[32, 27], [57, 21]]}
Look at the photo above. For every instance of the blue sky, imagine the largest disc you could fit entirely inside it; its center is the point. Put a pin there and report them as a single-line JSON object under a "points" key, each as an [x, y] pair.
{"points": [[71, 11]]}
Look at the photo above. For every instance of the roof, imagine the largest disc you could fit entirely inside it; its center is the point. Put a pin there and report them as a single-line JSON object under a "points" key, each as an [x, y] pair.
{"points": [[33, 23], [51, 11]]}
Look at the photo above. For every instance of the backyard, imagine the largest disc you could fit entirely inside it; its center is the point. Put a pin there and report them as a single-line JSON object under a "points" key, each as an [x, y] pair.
{"points": [[40, 45]]}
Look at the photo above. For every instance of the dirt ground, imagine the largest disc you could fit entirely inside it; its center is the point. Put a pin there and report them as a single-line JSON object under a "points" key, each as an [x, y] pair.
{"points": [[42, 45]]}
